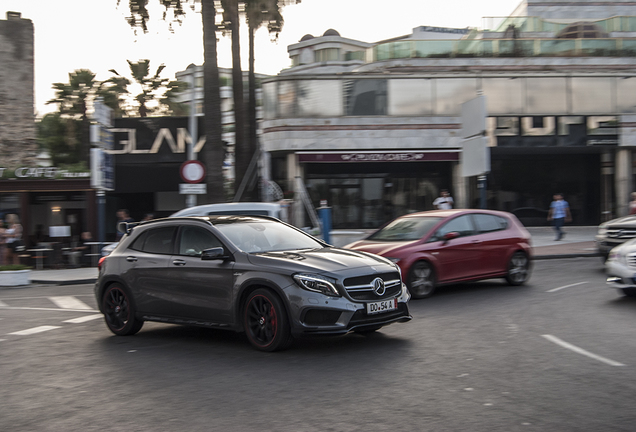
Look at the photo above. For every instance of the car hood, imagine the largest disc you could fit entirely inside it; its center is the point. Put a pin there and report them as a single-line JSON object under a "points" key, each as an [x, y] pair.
{"points": [[623, 222], [329, 260], [379, 248]]}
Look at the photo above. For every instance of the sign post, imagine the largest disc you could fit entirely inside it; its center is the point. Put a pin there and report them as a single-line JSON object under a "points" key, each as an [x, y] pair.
{"points": [[102, 164], [475, 157]]}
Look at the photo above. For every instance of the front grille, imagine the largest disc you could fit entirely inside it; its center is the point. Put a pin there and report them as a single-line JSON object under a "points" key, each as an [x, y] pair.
{"points": [[621, 233], [317, 317], [361, 287], [631, 260]]}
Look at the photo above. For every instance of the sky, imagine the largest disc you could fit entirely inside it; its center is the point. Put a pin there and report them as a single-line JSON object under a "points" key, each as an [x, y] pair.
{"points": [[93, 34]]}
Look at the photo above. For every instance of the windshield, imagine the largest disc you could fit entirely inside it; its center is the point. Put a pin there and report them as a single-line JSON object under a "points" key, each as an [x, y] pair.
{"points": [[265, 236], [406, 229]]}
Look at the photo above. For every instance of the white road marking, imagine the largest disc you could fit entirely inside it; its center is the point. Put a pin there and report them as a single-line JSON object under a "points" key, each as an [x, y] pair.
{"points": [[69, 302], [48, 309], [84, 319], [566, 286], [3, 304], [34, 330], [581, 351]]}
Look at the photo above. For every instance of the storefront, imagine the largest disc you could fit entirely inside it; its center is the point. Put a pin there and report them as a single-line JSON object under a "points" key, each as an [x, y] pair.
{"points": [[53, 206]]}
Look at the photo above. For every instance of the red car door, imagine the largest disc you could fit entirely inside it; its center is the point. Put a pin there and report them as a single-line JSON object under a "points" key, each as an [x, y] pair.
{"points": [[458, 257], [496, 240]]}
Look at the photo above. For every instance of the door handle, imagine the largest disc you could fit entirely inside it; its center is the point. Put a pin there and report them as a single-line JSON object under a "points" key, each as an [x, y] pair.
{"points": [[179, 262], [131, 259]]}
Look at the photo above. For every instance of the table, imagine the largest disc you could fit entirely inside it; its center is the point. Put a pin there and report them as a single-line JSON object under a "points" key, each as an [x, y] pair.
{"points": [[39, 258]]}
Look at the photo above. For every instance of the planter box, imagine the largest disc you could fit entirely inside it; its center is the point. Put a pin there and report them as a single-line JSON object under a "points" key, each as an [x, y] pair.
{"points": [[15, 278]]}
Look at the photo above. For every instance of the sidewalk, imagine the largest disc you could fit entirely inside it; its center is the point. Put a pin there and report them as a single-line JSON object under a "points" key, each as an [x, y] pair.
{"points": [[578, 242]]}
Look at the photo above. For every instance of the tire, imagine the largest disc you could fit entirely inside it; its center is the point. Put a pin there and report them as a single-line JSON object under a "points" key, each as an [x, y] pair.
{"points": [[518, 269], [265, 321], [421, 281], [119, 311], [629, 292]]}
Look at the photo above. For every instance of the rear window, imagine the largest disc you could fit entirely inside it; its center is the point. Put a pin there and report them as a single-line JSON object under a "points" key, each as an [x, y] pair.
{"points": [[158, 241], [489, 223]]}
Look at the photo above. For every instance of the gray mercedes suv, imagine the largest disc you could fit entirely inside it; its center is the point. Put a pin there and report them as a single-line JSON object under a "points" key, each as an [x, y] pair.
{"points": [[252, 274]]}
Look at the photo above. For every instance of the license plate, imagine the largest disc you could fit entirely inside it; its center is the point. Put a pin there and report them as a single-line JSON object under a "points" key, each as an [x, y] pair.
{"points": [[381, 306]]}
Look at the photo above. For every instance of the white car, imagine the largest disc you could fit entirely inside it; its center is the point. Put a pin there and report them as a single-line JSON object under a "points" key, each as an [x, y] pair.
{"points": [[621, 268]]}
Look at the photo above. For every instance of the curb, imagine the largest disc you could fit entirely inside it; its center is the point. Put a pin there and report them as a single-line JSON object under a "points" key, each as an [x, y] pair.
{"points": [[64, 282], [571, 255]]}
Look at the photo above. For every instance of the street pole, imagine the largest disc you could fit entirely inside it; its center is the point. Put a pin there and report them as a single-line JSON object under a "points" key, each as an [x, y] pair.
{"points": [[481, 184], [191, 199]]}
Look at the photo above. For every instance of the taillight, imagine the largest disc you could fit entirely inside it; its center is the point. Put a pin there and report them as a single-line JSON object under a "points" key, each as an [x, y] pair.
{"points": [[101, 261]]}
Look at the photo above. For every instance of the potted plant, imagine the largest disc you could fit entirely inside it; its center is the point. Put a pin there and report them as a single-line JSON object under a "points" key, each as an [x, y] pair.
{"points": [[15, 275]]}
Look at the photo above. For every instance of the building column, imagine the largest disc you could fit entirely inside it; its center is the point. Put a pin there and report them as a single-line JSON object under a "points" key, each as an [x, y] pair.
{"points": [[623, 180], [294, 169], [460, 187]]}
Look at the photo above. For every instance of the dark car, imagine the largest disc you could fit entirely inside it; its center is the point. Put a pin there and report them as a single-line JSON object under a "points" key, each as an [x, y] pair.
{"points": [[245, 273], [614, 233], [442, 247]]}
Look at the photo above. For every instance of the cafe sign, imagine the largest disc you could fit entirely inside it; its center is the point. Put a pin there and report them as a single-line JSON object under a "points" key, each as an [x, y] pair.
{"points": [[41, 173]]}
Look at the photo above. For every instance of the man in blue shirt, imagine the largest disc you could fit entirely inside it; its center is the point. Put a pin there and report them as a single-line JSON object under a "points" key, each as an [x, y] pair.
{"points": [[559, 213]]}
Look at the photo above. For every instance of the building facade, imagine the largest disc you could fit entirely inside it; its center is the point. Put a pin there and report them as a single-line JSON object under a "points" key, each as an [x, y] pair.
{"points": [[375, 129]]}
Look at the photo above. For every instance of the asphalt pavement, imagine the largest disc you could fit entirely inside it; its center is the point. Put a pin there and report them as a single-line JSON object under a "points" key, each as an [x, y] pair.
{"points": [[577, 242]]}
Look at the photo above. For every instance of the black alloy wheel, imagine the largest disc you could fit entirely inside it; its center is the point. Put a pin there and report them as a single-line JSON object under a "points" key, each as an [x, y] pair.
{"points": [[421, 281], [265, 321], [119, 311], [518, 269]]}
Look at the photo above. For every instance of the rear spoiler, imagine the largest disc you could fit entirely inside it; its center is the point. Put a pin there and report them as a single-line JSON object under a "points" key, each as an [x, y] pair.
{"points": [[126, 227]]}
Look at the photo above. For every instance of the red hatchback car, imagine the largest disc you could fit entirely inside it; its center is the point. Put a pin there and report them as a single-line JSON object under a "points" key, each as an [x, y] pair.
{"points": [[442, 247]]}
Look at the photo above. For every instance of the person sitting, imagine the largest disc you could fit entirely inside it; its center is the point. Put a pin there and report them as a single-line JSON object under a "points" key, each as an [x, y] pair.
{"points": [[78, 256]]}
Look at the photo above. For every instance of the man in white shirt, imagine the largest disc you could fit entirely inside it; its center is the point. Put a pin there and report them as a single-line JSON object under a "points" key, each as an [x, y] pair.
{"points": [[444, 202]]}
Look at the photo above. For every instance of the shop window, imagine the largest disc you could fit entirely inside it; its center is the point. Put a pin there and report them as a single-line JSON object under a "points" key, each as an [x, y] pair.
{"points": [[366, 97]]}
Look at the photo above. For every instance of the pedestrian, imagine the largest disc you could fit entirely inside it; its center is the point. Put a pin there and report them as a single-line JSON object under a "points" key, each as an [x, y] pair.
{"points": [[632, 204], [3, 244], [13, 236], [444, 202], [123, 215], [559, 214]]}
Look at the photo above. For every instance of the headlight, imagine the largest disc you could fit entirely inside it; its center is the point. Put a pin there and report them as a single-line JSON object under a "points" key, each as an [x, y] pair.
{"points": [[616, 255], [318, 284], [602, 231]]}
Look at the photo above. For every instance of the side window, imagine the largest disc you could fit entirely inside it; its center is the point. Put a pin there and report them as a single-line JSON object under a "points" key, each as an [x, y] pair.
{"points": [[195, 240], [461, 225], [158, 241], [489, 223]]}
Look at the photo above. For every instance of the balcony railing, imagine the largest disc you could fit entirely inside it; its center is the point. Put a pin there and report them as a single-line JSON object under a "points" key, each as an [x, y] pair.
{"points": [[611, 47]]}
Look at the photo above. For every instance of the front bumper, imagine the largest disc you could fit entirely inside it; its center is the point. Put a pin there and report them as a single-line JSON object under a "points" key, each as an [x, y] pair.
{"points": [[605, 245], [338, 316], [620, 276]]}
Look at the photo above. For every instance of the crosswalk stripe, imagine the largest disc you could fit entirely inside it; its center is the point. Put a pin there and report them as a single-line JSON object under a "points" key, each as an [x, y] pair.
{"points": [[34, 330], [83, 319], [69, 302]]}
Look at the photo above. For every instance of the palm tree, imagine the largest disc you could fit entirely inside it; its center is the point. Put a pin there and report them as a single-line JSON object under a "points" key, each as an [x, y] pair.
{"points": [[72, 99], [213, 150]]}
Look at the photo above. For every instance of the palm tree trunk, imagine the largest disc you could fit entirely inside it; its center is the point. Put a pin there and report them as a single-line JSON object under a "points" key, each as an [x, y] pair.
{"points": [[212, 153], [242, 157], [251, 106]]}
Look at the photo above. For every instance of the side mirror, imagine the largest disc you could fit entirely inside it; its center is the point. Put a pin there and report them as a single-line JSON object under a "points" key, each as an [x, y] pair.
{"points": [[217, 253], [450, 236]]}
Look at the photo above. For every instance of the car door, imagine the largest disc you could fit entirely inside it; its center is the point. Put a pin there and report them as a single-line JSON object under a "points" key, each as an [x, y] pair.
{"points": [[458, 257], [147, 266], [200, 290], [495, 242]]}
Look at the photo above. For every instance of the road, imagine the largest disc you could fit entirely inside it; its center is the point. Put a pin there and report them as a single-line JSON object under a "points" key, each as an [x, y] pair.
{"points": [[555, 355]]}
